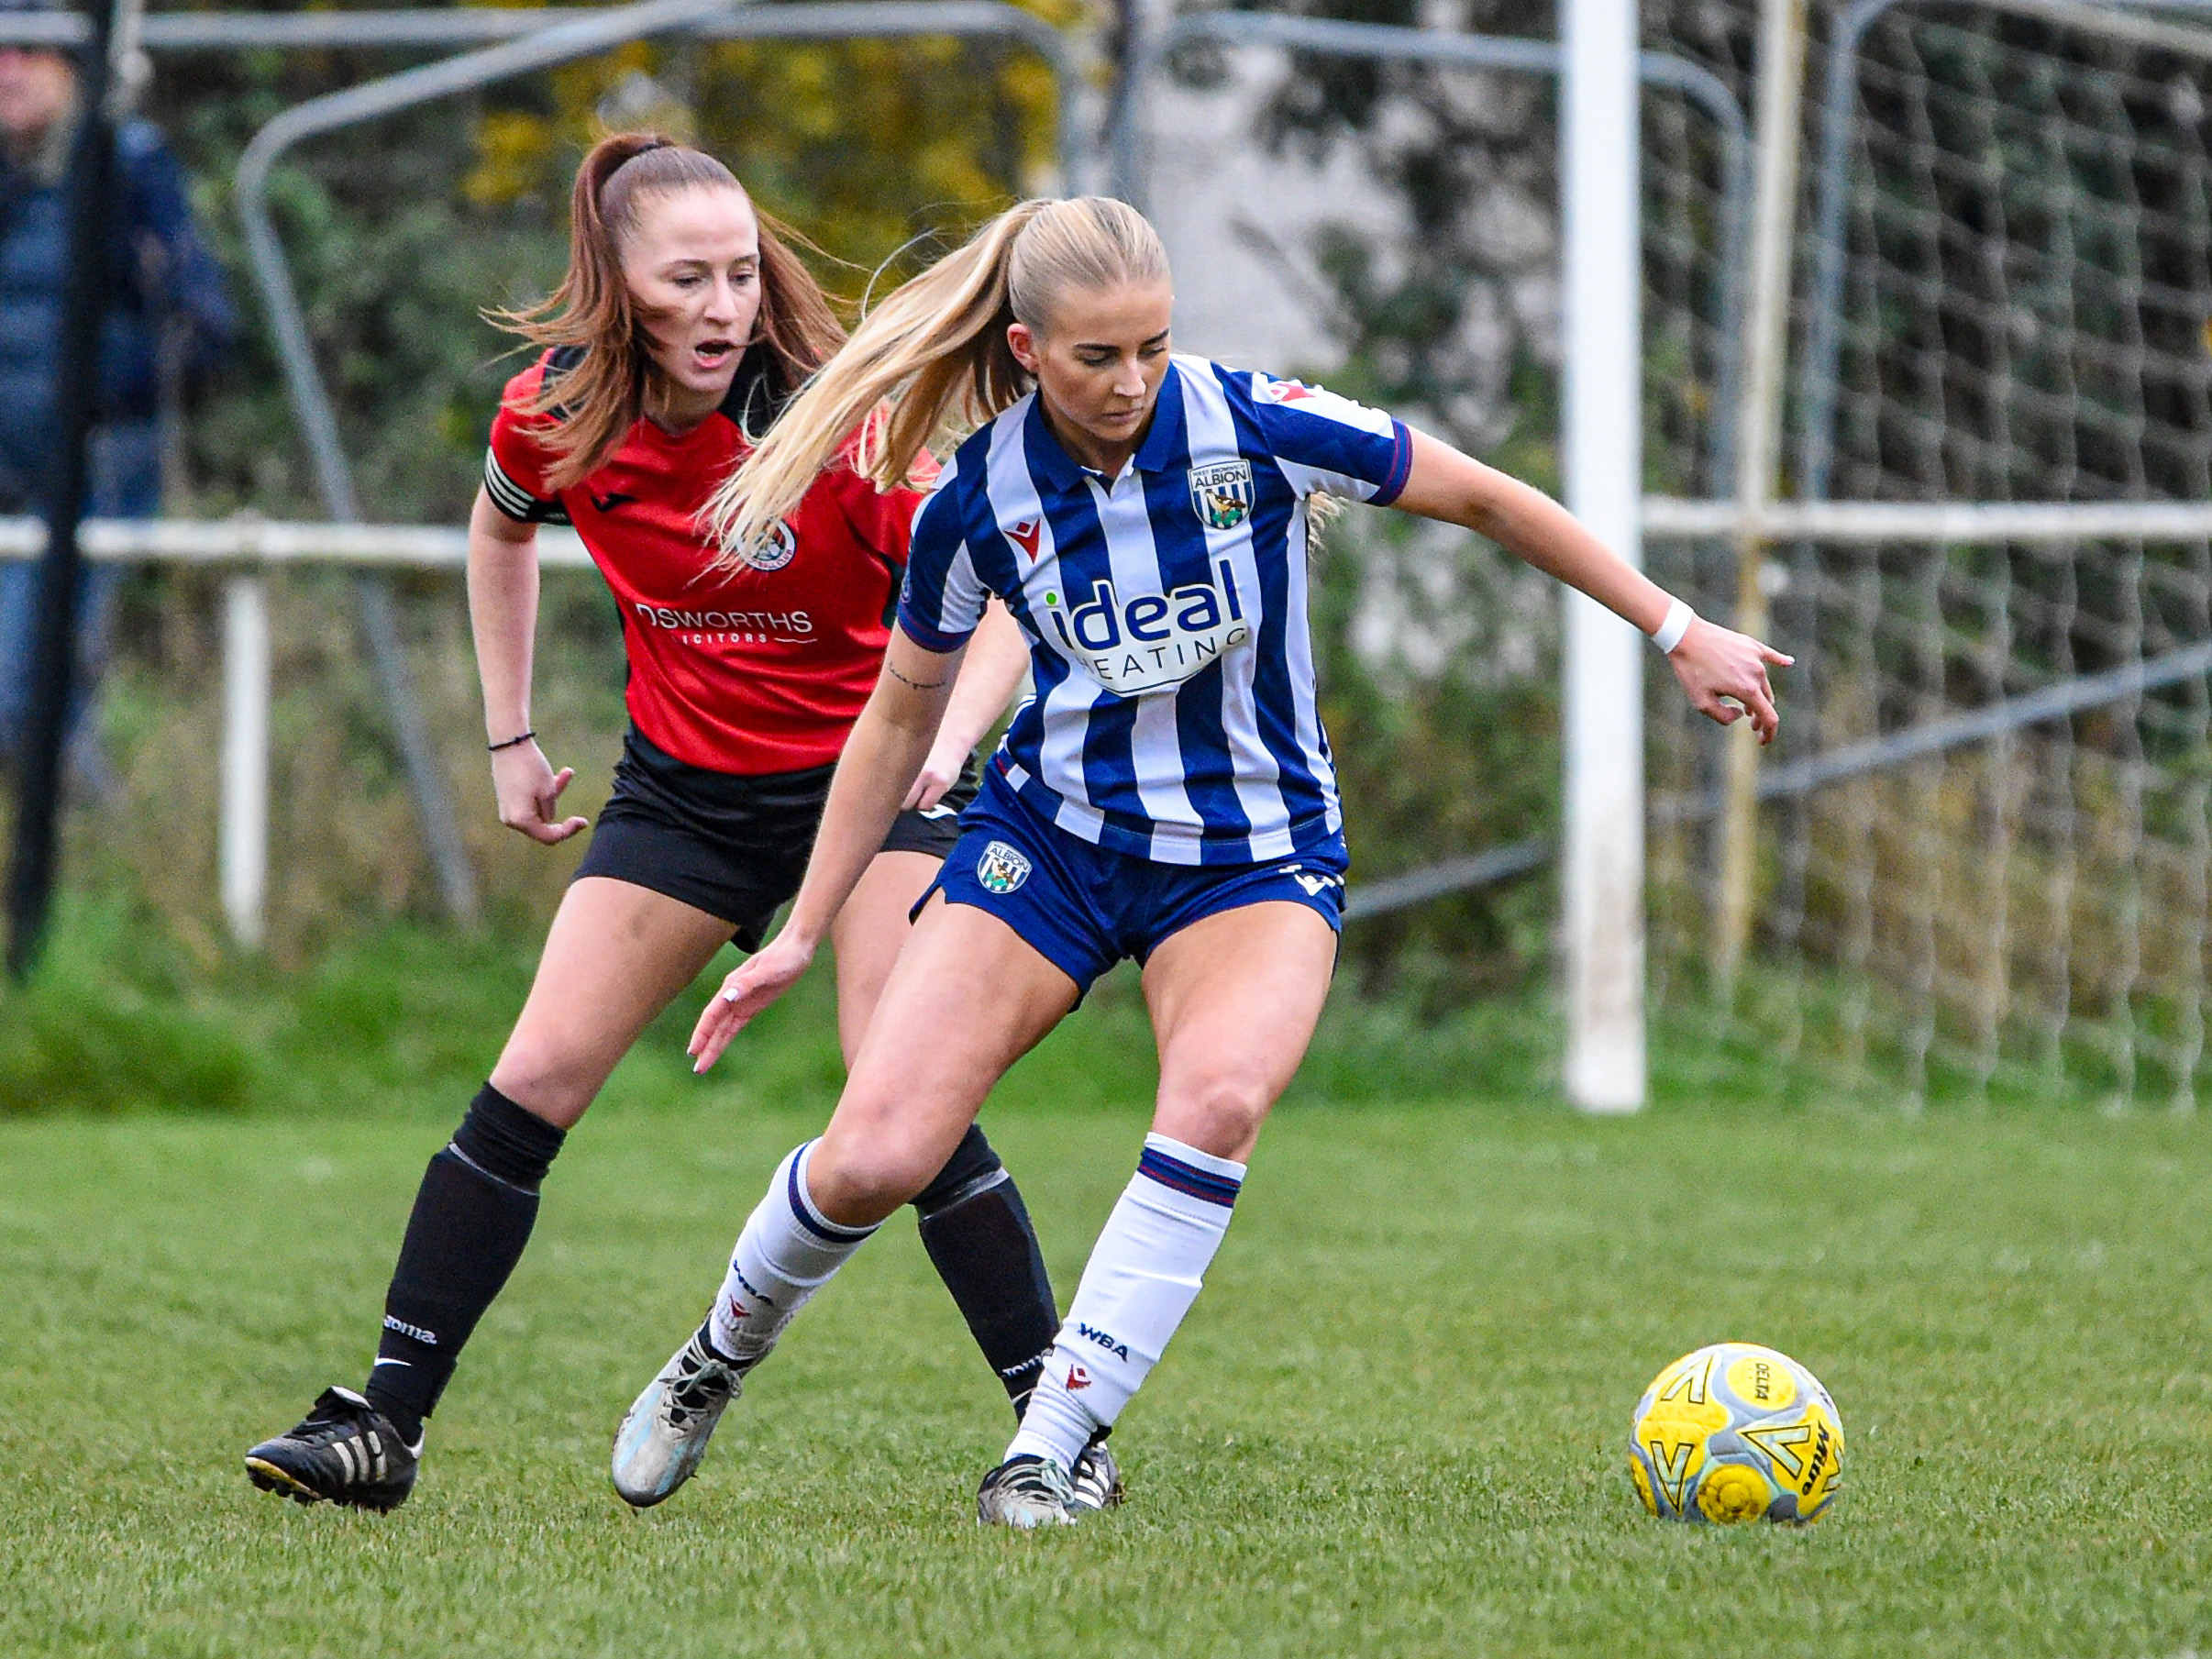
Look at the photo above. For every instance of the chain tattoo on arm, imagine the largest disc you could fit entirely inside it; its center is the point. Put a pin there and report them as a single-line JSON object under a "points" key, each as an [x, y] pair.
{"points": [[919, 685]]}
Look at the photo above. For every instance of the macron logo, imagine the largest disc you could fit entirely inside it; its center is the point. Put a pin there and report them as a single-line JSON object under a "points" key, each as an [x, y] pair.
{"points": [[1024, 537], [1315, 884]]}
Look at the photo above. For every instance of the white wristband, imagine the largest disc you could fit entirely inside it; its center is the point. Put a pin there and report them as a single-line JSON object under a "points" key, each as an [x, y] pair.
{"points": [[1669, 633]]}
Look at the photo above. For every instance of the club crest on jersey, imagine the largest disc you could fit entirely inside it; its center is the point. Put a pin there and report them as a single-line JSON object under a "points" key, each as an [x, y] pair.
{"points": [[1223, 493], [1000, 870], [781, 547]]}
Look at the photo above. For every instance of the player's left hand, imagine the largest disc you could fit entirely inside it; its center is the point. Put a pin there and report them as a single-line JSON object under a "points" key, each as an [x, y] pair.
{"points": [[754, 983], [939, 773], [1725, 674]]}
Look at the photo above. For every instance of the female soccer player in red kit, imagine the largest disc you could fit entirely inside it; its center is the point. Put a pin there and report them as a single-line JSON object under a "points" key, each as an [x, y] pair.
{"points": [[682, 327]]}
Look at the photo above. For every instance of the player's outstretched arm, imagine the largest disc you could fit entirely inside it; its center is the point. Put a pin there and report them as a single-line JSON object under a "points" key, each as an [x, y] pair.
{"points": [[881, 757], [503, 614], [1723, 672], [997, 658]]}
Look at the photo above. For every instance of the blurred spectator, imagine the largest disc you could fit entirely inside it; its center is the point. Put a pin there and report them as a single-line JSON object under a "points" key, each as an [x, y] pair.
{"points": [[167, 324]]}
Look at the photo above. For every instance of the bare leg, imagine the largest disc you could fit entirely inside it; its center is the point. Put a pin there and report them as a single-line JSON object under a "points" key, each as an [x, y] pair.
{"points": [[973, 1220], [869, 933], [965, 1000], [616, 955], [1234, 999]]}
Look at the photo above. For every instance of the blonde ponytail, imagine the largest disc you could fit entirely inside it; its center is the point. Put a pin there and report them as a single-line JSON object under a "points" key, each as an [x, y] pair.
{"points": [[932, 361]]}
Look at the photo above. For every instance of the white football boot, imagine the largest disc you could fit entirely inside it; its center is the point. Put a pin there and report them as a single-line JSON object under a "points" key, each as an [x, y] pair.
{"points": [[1096, 1480], [1026, 1491], [665, 1430]]}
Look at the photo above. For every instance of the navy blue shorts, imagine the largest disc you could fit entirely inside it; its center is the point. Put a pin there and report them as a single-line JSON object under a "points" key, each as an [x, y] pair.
{"points": [[1083, 908]]}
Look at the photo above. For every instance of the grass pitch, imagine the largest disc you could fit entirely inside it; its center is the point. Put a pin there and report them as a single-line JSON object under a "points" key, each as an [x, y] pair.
{"points": [[1394, 1424]]}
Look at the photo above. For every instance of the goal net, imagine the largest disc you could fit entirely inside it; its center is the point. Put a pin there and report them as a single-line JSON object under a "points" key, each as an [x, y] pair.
{"points": [[2002, 298], [1982, 857]]}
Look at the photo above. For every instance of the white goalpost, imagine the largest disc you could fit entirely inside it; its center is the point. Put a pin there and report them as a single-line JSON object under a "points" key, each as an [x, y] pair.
{"points": [[1986, 504], [1601, 858]]}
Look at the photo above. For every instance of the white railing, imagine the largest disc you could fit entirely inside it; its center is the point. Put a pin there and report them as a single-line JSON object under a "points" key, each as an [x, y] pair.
{"points": [[246, 548], [251, 541]]}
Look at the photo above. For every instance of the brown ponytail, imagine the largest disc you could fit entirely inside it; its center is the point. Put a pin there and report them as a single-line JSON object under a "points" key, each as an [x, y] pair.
{"points": [[599, 398]]}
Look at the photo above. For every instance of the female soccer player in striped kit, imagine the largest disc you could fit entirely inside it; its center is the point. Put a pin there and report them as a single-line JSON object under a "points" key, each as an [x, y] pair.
{"points": [[683, 324], [1167, 795]]}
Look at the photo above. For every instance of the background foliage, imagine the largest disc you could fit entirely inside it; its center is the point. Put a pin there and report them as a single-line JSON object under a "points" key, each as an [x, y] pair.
{"points": [[399, 234]]}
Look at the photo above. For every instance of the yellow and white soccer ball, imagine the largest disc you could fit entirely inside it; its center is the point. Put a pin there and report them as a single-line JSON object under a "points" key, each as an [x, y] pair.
{"points": [[1736, 1432]]}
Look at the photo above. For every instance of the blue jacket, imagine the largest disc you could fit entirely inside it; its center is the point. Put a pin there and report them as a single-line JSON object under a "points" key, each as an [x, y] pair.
{"points": [[164, 286]]}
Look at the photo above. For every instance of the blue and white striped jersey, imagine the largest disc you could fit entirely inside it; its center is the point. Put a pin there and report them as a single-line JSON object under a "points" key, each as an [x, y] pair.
{"points": [[1174, 716]]}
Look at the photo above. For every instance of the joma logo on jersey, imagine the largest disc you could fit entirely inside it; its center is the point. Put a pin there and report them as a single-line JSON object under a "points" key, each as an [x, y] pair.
{"points": [[1000, 870], [1221, 494], [1156, 639], [1119, 1350]]}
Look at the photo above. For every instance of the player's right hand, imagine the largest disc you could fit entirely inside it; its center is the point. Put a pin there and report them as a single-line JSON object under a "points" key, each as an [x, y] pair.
{"points": [[751, 986], [938, 774], [528, 790]]}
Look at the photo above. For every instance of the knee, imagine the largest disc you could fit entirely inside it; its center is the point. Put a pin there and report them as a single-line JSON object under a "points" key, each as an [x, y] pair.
{"points": [[860, 1173], [972, 1166], [1218, 1112], [545, 1081]]}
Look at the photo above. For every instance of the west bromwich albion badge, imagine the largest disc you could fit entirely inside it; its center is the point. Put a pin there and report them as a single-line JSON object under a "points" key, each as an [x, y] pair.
{"points": [[1221, 494], [1000, 870]]}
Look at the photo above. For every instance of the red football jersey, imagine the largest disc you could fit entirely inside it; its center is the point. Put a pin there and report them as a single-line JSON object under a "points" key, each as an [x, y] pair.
{"points": [[760, 669]]}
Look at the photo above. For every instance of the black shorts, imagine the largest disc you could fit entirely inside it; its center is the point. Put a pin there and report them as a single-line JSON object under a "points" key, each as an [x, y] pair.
{"points": [[733, 846]]}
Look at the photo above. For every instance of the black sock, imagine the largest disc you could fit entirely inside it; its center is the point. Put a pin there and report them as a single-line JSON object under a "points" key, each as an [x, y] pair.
{"points": [[472, 1217], [978, 1232]]}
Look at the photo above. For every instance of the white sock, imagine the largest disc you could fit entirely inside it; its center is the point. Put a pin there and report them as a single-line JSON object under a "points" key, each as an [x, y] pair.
{"points": [[1142, 1276], [788, 1251]]}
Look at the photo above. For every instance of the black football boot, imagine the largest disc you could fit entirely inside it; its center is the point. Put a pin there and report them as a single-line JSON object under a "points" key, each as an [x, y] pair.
{"points": [[343, 1452]]}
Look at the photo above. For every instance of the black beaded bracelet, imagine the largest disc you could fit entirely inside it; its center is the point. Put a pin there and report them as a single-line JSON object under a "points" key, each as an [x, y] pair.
{"points": [[493, 748]]}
